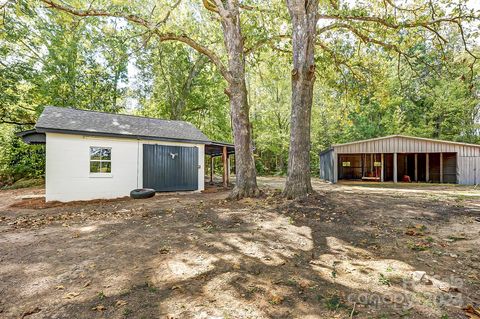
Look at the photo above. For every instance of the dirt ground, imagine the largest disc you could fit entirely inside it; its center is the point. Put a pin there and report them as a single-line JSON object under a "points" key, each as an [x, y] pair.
{"points": [[350, 251]]}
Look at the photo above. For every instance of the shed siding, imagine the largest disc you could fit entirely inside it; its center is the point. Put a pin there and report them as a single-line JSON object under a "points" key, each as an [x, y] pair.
{"points": [[68, 173], [327, 167]]}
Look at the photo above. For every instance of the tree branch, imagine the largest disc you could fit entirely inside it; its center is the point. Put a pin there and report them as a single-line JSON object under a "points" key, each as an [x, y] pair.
{"points": [[392, 3], [338, 62], [265, 41], [167, 16], [393, 25], [465, 45], [363, 37], [3, 121]]}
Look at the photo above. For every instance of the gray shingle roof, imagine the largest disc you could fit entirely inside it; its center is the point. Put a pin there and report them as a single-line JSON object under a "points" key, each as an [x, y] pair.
{"points": [[97, 123]]}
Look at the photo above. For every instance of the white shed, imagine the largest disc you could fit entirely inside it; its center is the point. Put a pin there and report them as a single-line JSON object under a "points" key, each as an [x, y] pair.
{"points": [[95, 155]]}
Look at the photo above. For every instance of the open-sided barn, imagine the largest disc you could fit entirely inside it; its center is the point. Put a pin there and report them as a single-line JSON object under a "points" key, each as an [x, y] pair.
{"points": [[397, 157]]}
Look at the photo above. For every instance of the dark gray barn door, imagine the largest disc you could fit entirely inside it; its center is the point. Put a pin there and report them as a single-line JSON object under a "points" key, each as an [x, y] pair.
{"points": [[170, 168]]}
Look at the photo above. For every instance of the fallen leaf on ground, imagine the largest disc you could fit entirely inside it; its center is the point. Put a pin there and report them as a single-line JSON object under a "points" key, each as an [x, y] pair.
{"points": [[471, 312], [276, 299], [99, 308], [31, 312], [60, 287], [164, 250], [120, 303], [71, 295]]}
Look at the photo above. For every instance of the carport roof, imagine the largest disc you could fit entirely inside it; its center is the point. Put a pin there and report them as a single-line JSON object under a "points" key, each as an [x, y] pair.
{"points": [[216, 148]]}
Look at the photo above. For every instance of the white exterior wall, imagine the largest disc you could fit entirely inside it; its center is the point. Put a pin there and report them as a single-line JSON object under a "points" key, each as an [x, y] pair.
{"points": [[68, 174]]}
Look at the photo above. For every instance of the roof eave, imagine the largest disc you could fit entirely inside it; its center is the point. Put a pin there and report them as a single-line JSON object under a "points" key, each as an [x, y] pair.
{"points": [[325, 151], [132, 136], [406, 136]]}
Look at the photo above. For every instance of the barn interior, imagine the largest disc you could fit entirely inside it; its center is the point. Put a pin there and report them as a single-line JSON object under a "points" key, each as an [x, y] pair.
{"points": [[410, 167]]}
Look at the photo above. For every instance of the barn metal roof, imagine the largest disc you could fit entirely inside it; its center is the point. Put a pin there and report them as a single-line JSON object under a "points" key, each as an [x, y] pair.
{"points": [[406, 136], [74, 121]]}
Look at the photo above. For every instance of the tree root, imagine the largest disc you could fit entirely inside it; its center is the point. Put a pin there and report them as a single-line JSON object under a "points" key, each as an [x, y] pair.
{"points": [[296, 192], [244, 192]]}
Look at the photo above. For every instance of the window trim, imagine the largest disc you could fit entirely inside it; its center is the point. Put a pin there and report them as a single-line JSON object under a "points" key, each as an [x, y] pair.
{"points": [[99, 174]]}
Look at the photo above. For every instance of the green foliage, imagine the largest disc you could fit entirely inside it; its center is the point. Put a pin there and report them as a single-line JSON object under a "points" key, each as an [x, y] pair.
{"points": [[17, 159], [382, 279]]}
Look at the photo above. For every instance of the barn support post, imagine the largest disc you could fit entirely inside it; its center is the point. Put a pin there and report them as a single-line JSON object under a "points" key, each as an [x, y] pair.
{"points": [[441, 168], [371, 163], [416, 167], [362, 159], [427, 168], [382, 170], [395, 179], [211, 169], [224, 161]]}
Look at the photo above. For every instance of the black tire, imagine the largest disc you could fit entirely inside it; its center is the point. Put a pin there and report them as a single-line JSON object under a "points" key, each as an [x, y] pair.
{"points": [[142, 193]]}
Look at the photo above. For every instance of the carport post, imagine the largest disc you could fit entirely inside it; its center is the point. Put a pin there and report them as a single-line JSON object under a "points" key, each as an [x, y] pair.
{"points": [[211, 169], [224, 160], [229, 169], [427, 168], [394, 167]]}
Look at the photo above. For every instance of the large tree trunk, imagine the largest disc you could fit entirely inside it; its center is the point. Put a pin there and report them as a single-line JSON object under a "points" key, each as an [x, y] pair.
{"points": [[304, 18], [246, 177]]}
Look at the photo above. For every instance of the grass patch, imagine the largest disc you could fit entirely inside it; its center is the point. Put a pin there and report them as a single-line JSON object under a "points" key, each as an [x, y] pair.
{"points": [[334, 302], [384, 280], [127, 312], [419, 246]]}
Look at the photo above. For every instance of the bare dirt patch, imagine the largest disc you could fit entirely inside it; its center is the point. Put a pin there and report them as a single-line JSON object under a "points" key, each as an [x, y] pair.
{"points": [[345, 252]]}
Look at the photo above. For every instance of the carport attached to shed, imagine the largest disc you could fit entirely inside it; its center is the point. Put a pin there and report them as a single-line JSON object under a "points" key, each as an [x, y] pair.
{"points": [[225, 150], [393, 157]]}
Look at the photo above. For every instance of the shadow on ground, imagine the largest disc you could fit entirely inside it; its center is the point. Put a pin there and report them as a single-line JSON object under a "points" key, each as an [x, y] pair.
{"points": [[331, 255]]}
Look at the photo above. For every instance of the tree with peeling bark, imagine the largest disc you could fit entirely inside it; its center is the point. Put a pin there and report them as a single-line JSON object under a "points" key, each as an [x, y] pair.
{"points": [[228, 13], [393, 28], [303, 14], [246, 184]]}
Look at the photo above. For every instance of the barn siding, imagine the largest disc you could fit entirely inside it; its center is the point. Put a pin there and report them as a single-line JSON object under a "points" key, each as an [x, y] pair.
{"points": [[407, 145], [468, 170]]}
